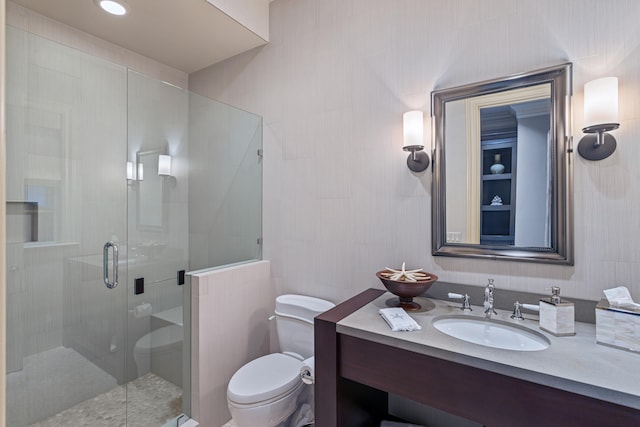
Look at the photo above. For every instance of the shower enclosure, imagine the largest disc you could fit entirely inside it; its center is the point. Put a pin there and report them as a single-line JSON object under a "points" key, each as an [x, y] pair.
{"points": [[117, 184]]}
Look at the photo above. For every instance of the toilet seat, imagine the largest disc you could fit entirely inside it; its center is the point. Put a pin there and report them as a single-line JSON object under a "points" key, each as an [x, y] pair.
{"points": [[264, 378]]}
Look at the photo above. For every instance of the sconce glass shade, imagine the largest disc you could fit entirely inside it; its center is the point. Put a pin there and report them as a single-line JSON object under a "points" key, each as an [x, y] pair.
{"points": [[164, 165], [600, 117], [413, 140], [130, 171], [601, 102], [413, 130]]}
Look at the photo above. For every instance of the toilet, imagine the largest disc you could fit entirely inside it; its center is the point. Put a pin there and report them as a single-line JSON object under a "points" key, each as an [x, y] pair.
{"points": [[267, 391]]}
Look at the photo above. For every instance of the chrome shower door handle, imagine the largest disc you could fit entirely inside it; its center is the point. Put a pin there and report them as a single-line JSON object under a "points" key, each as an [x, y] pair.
{"points": [[105, 262]]}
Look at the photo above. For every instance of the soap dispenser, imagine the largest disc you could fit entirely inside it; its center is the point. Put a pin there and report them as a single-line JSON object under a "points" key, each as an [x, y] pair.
{"points": [[557, 315]]}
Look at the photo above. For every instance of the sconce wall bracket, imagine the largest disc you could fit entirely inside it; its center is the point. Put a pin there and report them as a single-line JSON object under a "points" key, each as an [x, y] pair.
{"points": [[418, 161], [590, 149], [599, 144]]}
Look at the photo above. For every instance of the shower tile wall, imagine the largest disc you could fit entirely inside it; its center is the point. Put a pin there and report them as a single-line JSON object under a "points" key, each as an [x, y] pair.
{"points": [[57, 99], [35, 327], [50, 111], [155, 117], [158, 120]]}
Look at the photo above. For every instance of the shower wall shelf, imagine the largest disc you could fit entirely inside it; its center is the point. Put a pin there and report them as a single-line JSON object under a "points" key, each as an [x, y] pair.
{"points": [[22, 221]]}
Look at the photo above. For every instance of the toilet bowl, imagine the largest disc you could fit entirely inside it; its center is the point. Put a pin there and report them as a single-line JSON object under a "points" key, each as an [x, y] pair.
{"points": [[267, 391], [160, 352]]}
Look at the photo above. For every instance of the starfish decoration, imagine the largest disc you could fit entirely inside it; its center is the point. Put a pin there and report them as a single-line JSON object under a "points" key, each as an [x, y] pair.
{"points": [[405, 275]]}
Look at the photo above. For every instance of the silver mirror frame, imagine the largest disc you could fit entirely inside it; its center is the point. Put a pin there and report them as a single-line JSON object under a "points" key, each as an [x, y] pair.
{"points": [[561, 250]]}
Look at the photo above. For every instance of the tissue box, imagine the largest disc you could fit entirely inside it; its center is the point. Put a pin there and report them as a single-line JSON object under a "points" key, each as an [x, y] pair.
{"points": [[617, 327]]}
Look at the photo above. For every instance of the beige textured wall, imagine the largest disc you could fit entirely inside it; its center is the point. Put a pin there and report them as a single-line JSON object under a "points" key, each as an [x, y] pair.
{"points": [[230, 311], [253, 14], [332, 84]]}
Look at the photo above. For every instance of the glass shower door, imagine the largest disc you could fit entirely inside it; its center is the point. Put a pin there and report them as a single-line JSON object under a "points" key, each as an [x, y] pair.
{"points": [[67, 196]]}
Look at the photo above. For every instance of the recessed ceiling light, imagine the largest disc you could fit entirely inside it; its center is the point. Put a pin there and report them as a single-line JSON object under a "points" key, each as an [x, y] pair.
{"points": [[113, 7]]}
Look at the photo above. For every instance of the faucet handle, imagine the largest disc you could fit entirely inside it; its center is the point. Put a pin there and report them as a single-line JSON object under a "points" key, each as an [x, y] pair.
{"points": [[466, 304], [517, 313]]}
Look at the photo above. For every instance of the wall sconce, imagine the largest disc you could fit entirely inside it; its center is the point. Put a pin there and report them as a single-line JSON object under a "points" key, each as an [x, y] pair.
{"points": [[130, 176], [164, 165], [600, 117], [413, 130], [135, 172]]}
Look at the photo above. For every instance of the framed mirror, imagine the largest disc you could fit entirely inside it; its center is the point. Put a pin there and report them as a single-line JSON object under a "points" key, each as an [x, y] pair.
{"points": [[502, 170]]}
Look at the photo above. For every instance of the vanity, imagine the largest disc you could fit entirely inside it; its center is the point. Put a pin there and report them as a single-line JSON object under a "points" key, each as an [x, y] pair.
{"points": [[359, 360]]}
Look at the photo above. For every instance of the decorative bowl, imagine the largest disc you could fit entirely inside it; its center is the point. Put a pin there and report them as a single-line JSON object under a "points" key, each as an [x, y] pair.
{"points": [[406, 290]]}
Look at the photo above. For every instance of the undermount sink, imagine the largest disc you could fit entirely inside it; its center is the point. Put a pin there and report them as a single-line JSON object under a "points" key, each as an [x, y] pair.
{"points": [[491, 333]]}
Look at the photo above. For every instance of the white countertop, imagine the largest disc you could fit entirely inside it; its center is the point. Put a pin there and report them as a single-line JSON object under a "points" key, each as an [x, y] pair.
{"points": [[574, 363]]}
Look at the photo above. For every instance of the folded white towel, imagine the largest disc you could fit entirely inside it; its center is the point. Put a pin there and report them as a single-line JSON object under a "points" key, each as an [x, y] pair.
{"points": [[399, 320]]}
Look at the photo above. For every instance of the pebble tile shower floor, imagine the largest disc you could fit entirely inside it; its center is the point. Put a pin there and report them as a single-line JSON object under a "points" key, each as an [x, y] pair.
{"points": [[152, 402]]}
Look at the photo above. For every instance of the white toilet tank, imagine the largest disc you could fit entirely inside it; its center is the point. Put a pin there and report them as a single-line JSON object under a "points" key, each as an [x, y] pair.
{"points": [[294, 322]]}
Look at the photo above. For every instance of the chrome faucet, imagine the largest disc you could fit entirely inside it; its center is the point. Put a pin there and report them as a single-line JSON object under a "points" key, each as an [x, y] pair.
{"points": [[488, 299]]}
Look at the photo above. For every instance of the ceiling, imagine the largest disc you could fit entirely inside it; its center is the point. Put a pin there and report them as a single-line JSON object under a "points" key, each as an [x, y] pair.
{"points": [[185, 34]]}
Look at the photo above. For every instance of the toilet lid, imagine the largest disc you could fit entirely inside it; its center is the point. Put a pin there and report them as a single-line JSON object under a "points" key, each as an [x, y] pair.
{"points": [[264, 378]]}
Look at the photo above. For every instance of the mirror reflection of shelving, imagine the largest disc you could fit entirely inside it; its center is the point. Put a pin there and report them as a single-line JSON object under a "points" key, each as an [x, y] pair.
{"points": [[497, 221]]}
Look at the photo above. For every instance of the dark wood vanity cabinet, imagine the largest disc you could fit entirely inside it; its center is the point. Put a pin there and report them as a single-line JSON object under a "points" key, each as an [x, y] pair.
{"points": [[354, 377]]}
